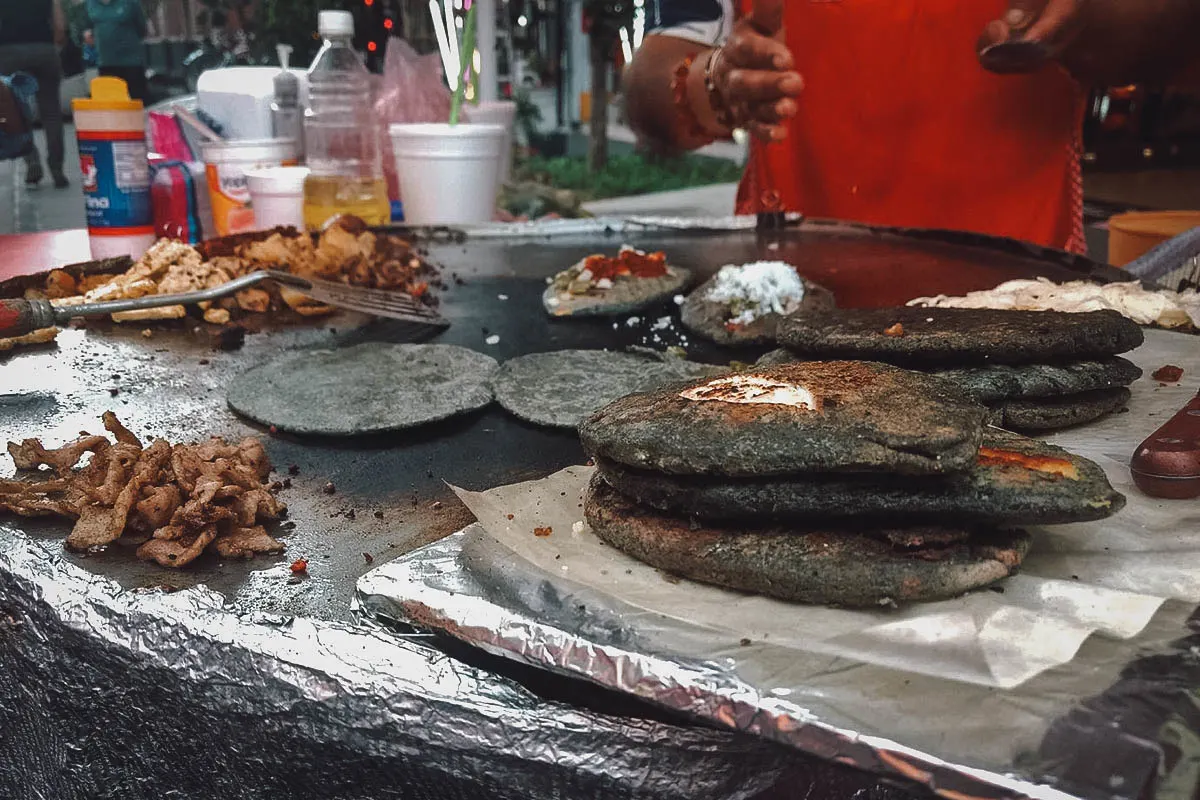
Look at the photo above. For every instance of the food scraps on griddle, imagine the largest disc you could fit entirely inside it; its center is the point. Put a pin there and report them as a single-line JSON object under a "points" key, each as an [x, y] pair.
{"points": [[40, 336], [175, 501], [1168, 374]]}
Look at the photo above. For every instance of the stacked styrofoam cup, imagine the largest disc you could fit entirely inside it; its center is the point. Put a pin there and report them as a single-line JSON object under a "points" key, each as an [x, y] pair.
{"points": [[497, 112], [449, 174], [277, 196]]}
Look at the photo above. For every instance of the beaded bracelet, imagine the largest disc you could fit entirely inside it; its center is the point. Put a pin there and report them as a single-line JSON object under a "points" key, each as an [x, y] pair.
{"points": [[683, 106]]}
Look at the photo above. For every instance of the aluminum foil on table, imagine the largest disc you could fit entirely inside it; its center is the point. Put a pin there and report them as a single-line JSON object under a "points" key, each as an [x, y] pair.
{"points": [[992, 694], [107, 693]]}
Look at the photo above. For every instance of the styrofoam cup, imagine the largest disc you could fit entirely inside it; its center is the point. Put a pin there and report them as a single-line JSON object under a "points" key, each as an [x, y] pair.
{"points": [[448, 173], [227, 163], [497, 112], [277, 196]]}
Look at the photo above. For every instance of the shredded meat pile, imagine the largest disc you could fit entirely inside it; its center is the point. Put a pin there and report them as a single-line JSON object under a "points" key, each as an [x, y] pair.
{"points": [[176, 500], [346, 251]]}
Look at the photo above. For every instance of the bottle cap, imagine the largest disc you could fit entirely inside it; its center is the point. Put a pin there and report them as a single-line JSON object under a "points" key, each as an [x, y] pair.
{"points": [[335, 23], [108, 94]]}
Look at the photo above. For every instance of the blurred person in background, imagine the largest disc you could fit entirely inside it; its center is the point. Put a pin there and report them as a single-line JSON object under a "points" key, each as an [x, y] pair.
{"points": [[895, 112], [119, 27], [31, 33], [91, 57]]}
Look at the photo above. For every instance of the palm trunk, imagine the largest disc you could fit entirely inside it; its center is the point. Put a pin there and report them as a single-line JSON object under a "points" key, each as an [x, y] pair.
{"points": [[598, 150]]}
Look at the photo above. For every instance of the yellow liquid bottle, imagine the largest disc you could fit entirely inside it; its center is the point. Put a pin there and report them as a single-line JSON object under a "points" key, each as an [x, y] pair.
{"points": [[327, 196], [341, 132]]}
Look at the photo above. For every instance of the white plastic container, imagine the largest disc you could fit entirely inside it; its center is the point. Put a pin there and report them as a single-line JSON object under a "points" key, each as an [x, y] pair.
{"points": [[277, 196], [448, 173], [226, 165], [240, 98], [111, 130], [497, 112]]}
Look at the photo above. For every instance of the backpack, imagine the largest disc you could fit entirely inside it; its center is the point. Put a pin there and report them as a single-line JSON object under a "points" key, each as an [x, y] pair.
{"points": [[16, 110]]}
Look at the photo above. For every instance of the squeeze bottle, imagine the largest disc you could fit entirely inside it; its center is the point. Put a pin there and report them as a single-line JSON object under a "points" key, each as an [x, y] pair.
{"points": [[111, 131]]}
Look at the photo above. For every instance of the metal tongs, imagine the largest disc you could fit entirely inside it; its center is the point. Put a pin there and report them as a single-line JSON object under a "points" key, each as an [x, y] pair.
{"points": [[19, 317]]}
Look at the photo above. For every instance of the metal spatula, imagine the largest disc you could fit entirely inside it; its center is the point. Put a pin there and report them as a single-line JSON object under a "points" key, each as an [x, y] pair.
{"points": [[19, 317]]}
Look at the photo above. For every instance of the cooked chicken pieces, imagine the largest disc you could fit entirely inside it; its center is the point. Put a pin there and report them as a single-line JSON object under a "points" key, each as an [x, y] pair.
{"points": [[114, 426], [246, 542], [187, 498], [345, 251]]}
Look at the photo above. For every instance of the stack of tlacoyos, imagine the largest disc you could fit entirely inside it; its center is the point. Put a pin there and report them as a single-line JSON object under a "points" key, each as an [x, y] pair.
{"points": [[844, 483], [1038, 371]]}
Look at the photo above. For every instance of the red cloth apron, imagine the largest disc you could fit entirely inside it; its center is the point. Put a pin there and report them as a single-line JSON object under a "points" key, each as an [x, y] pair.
{"points": [[899, 125]]}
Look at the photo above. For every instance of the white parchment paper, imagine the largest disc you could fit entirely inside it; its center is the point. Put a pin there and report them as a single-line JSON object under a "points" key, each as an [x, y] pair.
{"points": [[1106, 578]]}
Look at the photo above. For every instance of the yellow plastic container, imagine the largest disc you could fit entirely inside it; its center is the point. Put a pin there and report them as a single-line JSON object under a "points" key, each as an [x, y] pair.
{"points": [[110, 128], [1132, 235]]}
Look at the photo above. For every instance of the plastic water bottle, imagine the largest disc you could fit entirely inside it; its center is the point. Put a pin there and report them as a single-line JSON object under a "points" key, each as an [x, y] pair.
{"points": [[341, 135]]}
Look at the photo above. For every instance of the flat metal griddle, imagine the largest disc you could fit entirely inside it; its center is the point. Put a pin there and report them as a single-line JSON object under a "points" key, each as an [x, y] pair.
{"points": [[164, 389]]}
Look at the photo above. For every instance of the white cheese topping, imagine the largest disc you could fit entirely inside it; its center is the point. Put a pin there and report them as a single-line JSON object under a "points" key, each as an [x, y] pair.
{"points": [[752, 389], [1143, 306], [757, 289]]}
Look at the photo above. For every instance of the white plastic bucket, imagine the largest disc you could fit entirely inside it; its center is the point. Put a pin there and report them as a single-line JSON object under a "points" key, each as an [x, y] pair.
{"points": [[277, 196], [226, 164], [503, 113], [449, 174]]}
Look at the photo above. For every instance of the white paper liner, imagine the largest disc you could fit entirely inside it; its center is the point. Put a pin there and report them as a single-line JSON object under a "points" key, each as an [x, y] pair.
{"points": [[1106, 578]]}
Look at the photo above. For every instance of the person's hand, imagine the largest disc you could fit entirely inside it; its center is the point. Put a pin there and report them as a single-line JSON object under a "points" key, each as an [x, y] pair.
{"points": [[1031, 33], [754, 73], [1106, 42]]}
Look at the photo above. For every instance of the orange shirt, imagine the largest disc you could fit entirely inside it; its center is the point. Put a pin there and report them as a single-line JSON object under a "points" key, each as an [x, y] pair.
{"points": [[899, 125]]}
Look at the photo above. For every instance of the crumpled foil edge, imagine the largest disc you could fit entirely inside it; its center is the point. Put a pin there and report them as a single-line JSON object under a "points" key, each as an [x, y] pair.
{"points": [[416, 590], [358, 686]]}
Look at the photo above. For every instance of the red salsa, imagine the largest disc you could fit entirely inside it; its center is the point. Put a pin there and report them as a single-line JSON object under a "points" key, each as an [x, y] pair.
{"points": [[627, 264]]}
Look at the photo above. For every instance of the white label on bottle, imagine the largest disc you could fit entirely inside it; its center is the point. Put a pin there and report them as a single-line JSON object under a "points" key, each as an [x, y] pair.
{"points": [[131, 169]]}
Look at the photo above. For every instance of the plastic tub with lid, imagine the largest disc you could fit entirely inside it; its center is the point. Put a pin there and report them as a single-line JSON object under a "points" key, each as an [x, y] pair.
{"points": [[1132, 235]]}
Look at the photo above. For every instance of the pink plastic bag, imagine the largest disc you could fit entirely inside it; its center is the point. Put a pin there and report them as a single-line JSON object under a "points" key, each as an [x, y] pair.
{"points": [[412, 89], [167, 138]]}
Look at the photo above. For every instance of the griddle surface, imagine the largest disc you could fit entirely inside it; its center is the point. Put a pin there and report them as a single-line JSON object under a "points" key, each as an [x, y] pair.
{"points": [[162, 389]]}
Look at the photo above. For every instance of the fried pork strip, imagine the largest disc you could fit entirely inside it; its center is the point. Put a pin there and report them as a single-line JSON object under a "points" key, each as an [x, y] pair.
{"points": [[179, 500]]}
